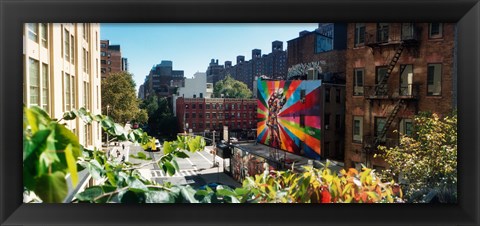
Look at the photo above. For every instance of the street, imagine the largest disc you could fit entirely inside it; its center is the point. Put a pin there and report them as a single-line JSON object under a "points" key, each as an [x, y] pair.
{"points": [[196, 170]]}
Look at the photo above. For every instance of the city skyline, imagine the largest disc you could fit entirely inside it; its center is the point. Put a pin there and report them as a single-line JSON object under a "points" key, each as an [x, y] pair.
{"points": [[146, 45]]}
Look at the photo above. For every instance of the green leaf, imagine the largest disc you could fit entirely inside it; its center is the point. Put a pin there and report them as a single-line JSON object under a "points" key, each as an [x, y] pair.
{"points": [[136, 185], [72, 165], [169, 168], [159, 197], [95, 169], [130, 196], [69, 115], [175, 164], [90, 193], [189, 194], [181, 155], [32, 119], [52, 188], [167, 148]]}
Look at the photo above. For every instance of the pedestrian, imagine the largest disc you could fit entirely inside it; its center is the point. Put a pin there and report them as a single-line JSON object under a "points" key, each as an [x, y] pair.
{"points": [[123, 146], [123, 158], [118, 153]]}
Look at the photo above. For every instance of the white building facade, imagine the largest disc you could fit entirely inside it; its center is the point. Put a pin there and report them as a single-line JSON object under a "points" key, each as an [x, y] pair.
{"points": [[196, 87], [62, 73]]}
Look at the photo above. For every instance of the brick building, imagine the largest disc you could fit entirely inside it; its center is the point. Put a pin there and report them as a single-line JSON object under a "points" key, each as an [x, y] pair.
{"points": [[111, 58], [208, 114], [272, 65], [327, 44], [394, 71]]}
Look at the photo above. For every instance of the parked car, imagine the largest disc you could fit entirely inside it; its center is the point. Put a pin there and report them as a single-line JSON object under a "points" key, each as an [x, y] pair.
{"points": [[233, 139], [158, 146]]}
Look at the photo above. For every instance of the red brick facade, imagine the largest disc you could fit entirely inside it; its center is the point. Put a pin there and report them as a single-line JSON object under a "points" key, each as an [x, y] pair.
{"points": [[210, 114], [421, 54], [111, 58]]}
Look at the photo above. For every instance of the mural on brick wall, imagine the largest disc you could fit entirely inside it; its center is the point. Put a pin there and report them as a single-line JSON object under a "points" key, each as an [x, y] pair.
{"points": [[289, 116]]}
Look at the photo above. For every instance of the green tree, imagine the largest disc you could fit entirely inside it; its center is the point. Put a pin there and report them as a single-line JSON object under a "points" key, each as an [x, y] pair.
{"points": [[427, 162], [231, 88], [161, 120], [118, 92]]}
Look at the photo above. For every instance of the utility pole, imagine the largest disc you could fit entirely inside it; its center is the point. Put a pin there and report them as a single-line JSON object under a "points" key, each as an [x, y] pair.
{"points": [[214, 151]]}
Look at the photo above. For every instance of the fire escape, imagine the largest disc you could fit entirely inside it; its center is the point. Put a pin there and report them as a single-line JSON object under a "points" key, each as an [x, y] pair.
{"points": [[396, 40]]}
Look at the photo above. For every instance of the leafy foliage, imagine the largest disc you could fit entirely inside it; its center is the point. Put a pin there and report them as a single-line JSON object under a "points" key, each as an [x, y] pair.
{"points": [[161, 120], [118, 92], [231, 88], [50, 148], [311, 186], [51, 151], [427, 162]]}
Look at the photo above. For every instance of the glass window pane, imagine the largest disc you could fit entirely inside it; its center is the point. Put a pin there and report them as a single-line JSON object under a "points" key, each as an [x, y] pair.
{"points": [[34, 82]]}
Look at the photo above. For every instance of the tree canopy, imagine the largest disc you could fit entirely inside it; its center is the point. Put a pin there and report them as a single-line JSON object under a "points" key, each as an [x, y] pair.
{"points": [[427, 161], [231, 88], [161, 120], [118, 92]]}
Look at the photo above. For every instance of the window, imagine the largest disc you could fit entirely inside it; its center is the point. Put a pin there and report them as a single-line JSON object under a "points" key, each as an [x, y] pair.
{"points": [[379, 125], [86, 95], [338, 121], [45, 83], [194, 115], [44, 34], [34, 82], [406, 127], [200, 106], [103, 61], [87, 134], [358, 128], [103, 54], [358, 82], [327, 120], [214, 115], [359, 34], [407, 31], [435, 30], [33, 31], [327, 94], [103, 45], [434, 79], [67, 92], [323, 43], [186, 115], [200, 115], [406, 80], [207, 115], [67, 45], [338, 95], [382, 32], [84, 60], [207, 106], [382, 87], [72, 54]]}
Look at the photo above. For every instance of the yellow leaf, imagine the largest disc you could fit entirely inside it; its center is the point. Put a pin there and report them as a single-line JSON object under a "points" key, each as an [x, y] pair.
{"points": [[72, 164]]}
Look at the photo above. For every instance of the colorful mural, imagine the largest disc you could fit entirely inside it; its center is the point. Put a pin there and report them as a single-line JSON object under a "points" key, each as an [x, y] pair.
{"points": [[289, 116]]}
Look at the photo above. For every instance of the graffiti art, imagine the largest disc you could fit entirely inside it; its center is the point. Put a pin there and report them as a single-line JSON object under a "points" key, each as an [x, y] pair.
{"points": [[289, 116]]}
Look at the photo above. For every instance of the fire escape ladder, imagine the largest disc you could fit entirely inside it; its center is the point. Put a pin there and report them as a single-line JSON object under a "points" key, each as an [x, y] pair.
{"points": [[381, 85], [389, 122]]}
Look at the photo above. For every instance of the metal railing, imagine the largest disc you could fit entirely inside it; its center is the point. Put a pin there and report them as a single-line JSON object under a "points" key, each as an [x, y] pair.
{"points": [[372, 142], [393, 35], [410, 91]]}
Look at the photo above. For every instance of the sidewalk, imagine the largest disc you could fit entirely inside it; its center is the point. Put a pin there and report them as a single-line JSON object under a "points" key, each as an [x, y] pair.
{"points": [[119, 152]]}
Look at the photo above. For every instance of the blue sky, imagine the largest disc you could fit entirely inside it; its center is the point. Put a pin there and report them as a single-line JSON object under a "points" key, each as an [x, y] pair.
{"points": [[192, 46]]}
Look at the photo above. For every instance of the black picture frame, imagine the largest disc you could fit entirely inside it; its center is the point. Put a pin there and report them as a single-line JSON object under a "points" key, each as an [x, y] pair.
{"points": [[14, 13]]}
